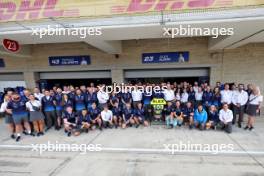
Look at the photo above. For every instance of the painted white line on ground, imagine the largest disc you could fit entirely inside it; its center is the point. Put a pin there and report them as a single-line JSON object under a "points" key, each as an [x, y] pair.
{"points": [[143, 150]]}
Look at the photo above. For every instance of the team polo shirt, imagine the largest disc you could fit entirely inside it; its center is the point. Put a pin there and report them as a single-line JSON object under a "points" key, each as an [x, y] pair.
{"points": [[126, 97], [18, 108], [114, 98], [213, 116], [79, 102], [136, 95], [187, 111], [128, 113], [91, 98], [207, 97], [226, 96], [178, 111], [191, 96], [168, 110], [169, 95], [84, 118], [71, 95], [48, 103], [58, 99], [117, 111], [139, 112], [158, 94], [147, 97], [94, 113], [217, 99], [68, 103], [71, 117]]}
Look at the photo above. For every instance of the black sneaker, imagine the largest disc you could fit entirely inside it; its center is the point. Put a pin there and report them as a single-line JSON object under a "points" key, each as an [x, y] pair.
{"points": [[41, 133], [246, 128], [190, 127], [69, 134], [18, 138], [100, 128], [25, 133], [32, 134], [239, 125], [251, 128], [137, 126], [86, 130], [116, 126], [38, 134], [13, 136]]}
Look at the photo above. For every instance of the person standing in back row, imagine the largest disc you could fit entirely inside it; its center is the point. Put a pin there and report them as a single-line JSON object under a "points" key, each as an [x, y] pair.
{"points": [[253, 109]]}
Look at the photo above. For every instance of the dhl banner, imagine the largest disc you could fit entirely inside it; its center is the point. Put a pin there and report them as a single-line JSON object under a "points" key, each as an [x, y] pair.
{"points": [[21, 10]]}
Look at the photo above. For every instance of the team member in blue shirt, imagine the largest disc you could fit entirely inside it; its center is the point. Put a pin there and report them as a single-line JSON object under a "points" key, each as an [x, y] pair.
{"points": [[58, 102], [188, 113], [191, 97], [139, 115], [70, 122], [213, 118], [207, 98], [127, 116], [90, 98], [17, 108], [79, 100], [95, 115], [84, 121], [49, 109], [66, 102], [168, 111], [117, 114], [126, 98]]}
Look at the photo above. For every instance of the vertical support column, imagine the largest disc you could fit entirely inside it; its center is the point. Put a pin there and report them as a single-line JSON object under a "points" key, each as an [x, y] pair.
{"points": [[31, 79], [117, 76], [215, 74]]}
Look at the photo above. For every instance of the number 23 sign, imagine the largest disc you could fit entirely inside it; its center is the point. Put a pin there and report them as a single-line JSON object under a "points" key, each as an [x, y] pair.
{"points": [[11, 45]]}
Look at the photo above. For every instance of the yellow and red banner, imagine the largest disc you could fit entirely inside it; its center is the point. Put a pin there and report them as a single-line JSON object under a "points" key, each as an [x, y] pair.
{"points": [[22, 10]]}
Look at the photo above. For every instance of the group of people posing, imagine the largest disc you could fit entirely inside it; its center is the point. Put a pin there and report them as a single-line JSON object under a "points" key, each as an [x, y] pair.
{"points": [[81, 109]]}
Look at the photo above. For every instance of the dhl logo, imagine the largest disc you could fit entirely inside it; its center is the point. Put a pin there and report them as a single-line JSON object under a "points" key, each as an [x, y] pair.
{"points": [[19, 10]]}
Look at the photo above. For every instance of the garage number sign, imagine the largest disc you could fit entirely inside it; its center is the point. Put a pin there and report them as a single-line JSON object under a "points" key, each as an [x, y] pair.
{"points": [[11, 45], [69, 60], [180, 57]]}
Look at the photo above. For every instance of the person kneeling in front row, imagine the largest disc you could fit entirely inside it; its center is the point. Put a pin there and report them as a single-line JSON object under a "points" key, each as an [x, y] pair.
{"points": [[70, 122], [200, 117], [84, 121], [107, 117], [226, 117]]}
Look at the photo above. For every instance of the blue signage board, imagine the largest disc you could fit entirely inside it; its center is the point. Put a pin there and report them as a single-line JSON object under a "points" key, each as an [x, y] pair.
{"points": [[165, 57], [2, 62], [69, 60]]}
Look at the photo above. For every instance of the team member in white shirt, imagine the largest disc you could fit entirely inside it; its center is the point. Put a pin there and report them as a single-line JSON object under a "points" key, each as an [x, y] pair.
{"points": [[239, 100], [195, 87], [107, 117], [102, 97], [226, 117], [184, 96], [136, 96], [253, 107], [198, 97], [226, 95], [169, 94], [37, 94]]}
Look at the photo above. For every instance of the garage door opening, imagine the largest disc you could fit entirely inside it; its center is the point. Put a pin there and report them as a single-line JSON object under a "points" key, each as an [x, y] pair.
{"points": [[167, 75], [76, 79]]}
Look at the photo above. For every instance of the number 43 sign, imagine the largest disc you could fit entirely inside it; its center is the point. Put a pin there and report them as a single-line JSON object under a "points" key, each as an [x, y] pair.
{"points": [[11, 45]]}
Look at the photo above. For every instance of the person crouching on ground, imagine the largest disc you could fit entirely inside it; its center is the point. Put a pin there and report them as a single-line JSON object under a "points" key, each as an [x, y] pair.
{"points": [[178, 114], [128, 116], [107, 117], [84, 121], [200, 117], [95, 115], [213, 118], [226, 117], [70, 122], [139, 115], [117, 114], [188, 113], [169, 115]]}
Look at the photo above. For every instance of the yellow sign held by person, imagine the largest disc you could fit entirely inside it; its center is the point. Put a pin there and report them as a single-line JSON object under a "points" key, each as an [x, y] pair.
{"points": [[158, 101], [23, 10]]}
